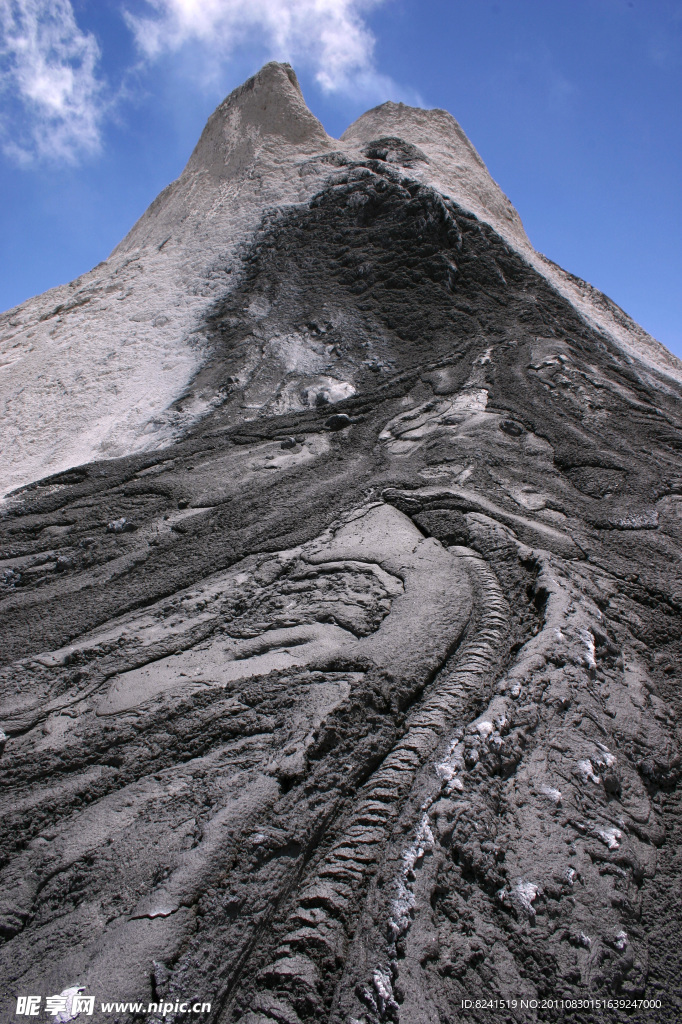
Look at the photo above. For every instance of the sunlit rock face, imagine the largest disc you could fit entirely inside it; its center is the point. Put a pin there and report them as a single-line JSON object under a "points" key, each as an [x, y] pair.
{"points": [[340, 656]]}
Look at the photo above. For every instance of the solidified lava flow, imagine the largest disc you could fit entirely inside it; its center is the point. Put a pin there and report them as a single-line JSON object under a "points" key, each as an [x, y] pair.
{"points": [[340, 604]]}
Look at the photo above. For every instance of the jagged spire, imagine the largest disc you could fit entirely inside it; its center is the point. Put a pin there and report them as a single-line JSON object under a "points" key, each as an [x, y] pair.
{"points": [[268, 109]]}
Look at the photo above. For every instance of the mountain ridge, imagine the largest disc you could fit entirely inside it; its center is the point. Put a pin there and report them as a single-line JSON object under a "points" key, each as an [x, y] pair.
{"points": [[349, 691], [89, 349]]}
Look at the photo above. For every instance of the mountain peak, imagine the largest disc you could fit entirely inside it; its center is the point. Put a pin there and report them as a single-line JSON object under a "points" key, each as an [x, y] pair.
{"points": [[262, 158], [455, 166], [414, 121], [267, 110]]}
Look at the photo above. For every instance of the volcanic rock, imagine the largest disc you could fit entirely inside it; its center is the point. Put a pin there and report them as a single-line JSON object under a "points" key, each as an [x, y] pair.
{"points": [[340, 603]]}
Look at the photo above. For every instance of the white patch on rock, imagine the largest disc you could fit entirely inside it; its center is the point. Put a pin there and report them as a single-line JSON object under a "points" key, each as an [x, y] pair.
{"points": [[404, 901], [299, 353], [449, 768], [521, 897], [608, 759], [590, 650], [586, 770], [611, 836], [68, 1014], [328, 391], [383, 989]]}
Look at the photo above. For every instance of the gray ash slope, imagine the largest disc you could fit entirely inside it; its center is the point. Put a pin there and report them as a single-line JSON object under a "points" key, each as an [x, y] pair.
{"points": [[361, 697]]}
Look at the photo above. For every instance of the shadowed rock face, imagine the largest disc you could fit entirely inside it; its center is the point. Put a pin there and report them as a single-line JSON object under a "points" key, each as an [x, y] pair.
{"points": [[359, 698]]}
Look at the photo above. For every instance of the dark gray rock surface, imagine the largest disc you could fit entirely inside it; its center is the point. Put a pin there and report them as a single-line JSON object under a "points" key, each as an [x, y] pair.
{"points": [[351, 714]]}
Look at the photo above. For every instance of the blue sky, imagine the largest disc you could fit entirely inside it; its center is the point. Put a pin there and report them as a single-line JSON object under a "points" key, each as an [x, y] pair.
{"points": [[575, 106]]}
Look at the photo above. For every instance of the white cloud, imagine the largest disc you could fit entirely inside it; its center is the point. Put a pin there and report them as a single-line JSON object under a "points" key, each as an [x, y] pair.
{"points": [[328, 36], [48, 75]]}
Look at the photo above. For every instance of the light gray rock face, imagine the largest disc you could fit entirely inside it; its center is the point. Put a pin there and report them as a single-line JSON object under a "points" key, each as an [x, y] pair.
{"points": [[93, 369], [340, 659]]}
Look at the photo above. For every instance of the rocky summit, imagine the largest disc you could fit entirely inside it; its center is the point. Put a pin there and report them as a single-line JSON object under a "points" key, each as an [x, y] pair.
{"points": [[340, 604]]}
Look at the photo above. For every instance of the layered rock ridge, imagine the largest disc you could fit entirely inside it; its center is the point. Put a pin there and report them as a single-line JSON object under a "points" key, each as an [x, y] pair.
{"points": [[356, 697]]}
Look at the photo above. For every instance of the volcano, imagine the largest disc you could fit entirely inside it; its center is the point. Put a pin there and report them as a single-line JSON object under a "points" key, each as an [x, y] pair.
{"points": [[340, 604]]}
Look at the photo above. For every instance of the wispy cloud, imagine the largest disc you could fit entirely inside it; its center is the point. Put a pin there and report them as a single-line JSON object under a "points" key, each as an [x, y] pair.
{"points": [[48, 74], [330, 37]]}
